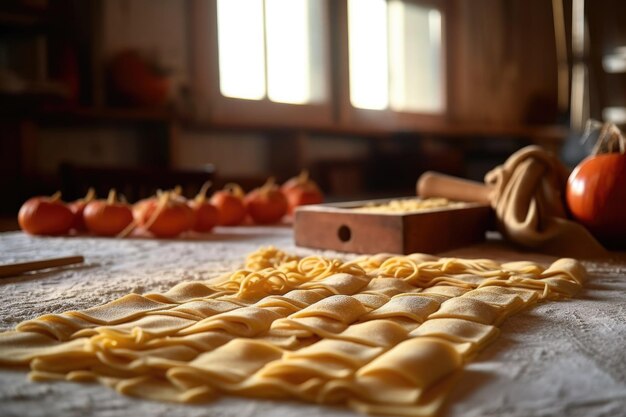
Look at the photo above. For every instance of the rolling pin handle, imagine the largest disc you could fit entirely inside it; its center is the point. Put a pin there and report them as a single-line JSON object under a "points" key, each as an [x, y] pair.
{"points": [[434, 184]]}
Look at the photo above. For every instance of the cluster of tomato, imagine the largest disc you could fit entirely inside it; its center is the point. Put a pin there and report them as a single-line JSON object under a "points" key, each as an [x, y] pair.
{"points": [[168, 214]]}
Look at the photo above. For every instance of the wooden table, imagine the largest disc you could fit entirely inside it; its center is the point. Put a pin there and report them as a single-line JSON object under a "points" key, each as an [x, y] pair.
{"points": [[563, 358]]}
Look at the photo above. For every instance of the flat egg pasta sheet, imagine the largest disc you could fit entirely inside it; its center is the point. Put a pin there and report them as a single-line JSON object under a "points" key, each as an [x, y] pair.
{"points": [[382, 334]]}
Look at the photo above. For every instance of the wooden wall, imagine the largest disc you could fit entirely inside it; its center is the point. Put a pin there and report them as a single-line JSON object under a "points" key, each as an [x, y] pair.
{"points": [[502, 62], [607, 32]]}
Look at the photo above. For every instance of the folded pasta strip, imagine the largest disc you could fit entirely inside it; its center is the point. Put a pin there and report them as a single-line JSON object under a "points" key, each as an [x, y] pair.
{"points": [[382, 334]]}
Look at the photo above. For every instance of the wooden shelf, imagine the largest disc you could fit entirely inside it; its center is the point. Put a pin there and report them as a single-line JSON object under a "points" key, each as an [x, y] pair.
{"points": [[545, 133], [552, 134], [18, 20], [107, 114]]}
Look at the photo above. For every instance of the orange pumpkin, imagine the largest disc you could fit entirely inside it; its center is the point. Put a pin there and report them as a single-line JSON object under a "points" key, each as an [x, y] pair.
{"points": [[206, 214], [230, 205], [167, 215], [266, 204], [301, 190], [108, 217], [45, 216], [596, 196]]}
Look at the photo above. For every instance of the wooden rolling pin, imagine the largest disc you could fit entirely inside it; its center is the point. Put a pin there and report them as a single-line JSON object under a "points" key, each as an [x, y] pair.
{"points": [[20, 268], [434, 184]]}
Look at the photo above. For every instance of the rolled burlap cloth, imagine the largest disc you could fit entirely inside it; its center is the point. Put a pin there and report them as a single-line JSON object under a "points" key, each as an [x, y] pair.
{"points": [[526, 193]]}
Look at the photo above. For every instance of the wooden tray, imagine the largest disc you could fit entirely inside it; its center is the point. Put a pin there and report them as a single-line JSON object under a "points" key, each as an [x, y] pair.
{"points": [[339, 227]]}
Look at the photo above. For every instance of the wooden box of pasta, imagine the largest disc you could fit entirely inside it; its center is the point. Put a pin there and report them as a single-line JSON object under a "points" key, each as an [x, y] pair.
{"points": [[402, 226]]}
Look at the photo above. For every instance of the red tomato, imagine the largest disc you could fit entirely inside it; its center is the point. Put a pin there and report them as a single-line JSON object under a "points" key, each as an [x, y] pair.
{"points": [[206, 214], [45, 216], [78, 208], [107, 217], [596, 195], [230, 206], [301, 190], [267, 204], [165, 216]]}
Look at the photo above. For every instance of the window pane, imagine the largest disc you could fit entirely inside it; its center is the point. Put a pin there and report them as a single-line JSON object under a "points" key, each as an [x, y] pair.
{"points": [[288, 50], [367, 42], [415, 58], [241, 48]]}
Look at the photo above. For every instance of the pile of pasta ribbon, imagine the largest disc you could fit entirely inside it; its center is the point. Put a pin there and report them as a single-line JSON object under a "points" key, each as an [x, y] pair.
{"points": [[382, 334]]}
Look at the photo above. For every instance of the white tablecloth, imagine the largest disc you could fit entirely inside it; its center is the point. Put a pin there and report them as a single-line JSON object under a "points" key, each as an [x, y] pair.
{"points": [[564, 358]]}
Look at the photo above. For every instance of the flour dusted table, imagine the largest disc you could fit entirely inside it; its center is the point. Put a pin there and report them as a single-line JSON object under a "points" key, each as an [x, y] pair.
{"points": [[564, 358]]}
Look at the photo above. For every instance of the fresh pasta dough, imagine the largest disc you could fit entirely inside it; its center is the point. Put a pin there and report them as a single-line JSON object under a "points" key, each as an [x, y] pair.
{"points": [[383, 334], [408, 205]]}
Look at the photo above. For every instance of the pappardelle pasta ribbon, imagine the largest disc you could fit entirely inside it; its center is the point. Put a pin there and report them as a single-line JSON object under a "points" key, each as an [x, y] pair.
{"points": [[382, 334]]}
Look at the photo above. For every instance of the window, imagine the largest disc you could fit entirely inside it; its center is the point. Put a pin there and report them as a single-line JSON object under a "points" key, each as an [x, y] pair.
{"points": [[273, 62], [395, 57], [241, 48], [268, 49]]}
